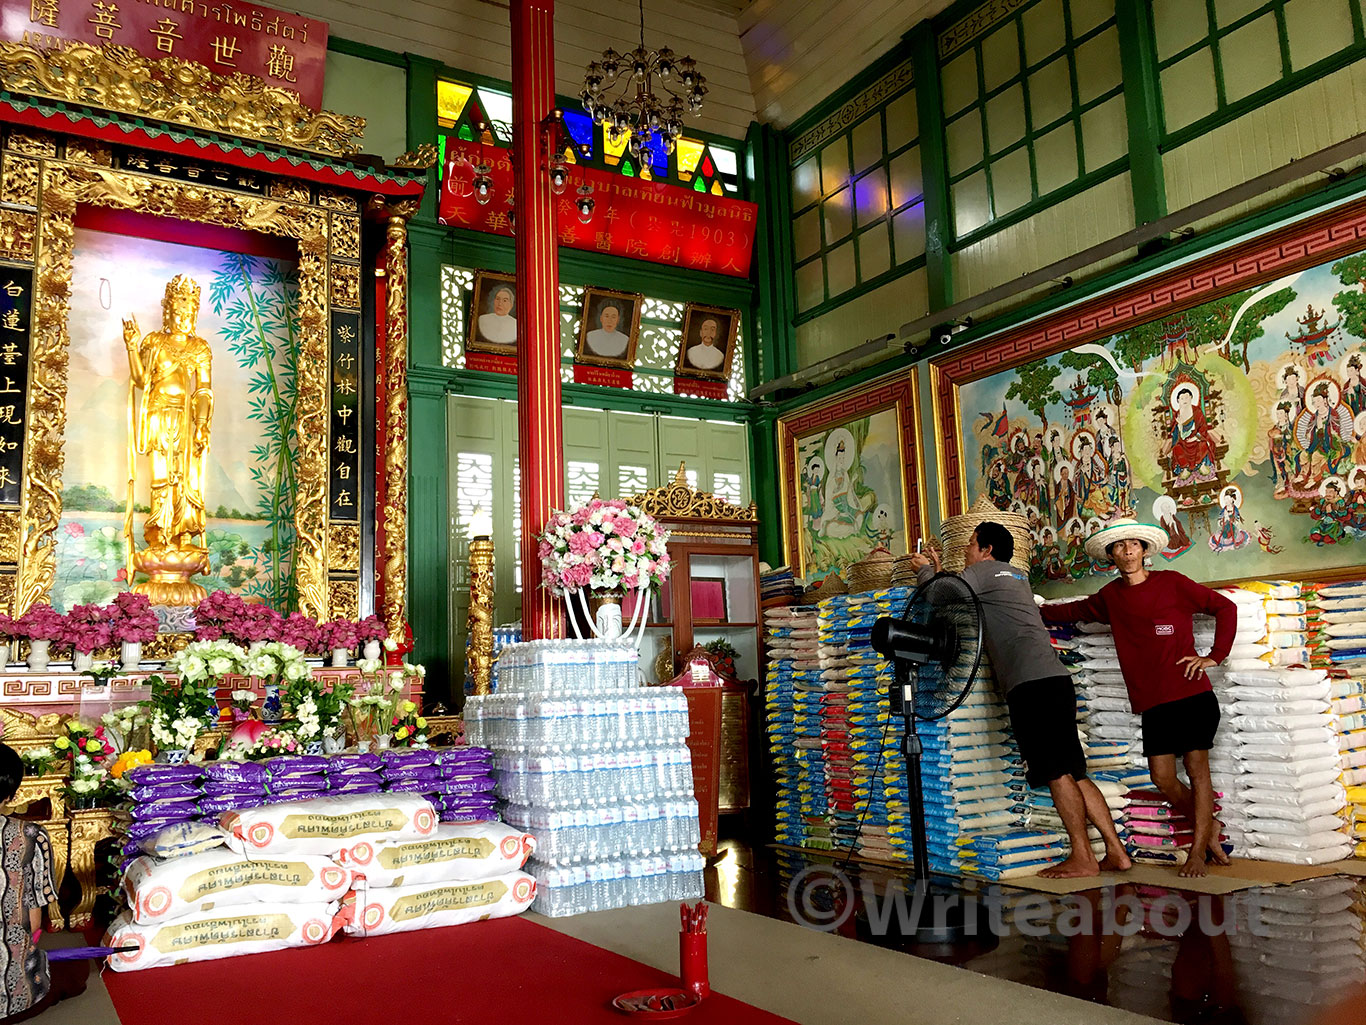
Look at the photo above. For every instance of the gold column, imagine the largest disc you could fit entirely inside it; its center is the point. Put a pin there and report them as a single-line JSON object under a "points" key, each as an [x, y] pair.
{"points": [[480, 621], [394, 560]]}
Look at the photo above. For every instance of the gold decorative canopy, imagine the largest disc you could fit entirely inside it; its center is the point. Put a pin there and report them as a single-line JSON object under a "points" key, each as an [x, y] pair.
{"points": [[678, 500], [118, 78]]}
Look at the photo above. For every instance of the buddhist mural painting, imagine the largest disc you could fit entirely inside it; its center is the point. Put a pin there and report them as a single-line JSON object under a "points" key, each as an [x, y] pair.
{"points": [[1238, 425]]}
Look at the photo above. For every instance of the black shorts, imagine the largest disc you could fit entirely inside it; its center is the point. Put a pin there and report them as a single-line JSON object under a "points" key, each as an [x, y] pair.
{"points": [[1043, 714], [1186, 724]]}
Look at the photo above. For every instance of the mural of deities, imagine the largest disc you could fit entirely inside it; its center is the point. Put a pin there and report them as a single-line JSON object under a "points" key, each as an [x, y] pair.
{"points": [[1239, 425]]}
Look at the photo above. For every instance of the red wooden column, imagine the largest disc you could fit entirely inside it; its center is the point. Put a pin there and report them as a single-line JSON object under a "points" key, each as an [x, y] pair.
{"points": [[540, 419]]}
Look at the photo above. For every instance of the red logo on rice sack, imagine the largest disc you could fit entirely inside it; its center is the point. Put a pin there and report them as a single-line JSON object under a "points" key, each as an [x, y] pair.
{"points": [[315, 931], [130, 940], [157, 903], [523, 890], [425, 820], [511, 845], [362, 853], [528, 844], [374, 915], [260, 834], [335, 878]]}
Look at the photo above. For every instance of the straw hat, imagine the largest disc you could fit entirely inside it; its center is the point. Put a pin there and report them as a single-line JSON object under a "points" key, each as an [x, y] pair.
{"points": [[957, 532], [1124, 530], [872, 573]]}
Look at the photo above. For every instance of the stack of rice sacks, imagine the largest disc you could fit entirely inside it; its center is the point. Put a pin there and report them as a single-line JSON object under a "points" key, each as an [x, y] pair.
{"points": [[1305, 956], [973, 781], [264, 881], [457, 780], [1337, 614], [354, 774], [599, 767], [1249, 652], [1288, 750], [788, 632], [1043, 814], [1111, 730], [161, 796], [855, 680]]}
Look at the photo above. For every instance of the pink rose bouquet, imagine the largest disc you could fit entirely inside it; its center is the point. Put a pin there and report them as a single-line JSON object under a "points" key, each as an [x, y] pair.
{"points": [[301, 632], [340, 633], [224, 614], [371, 628], [86, 628], [603, 546], [41, 622]]}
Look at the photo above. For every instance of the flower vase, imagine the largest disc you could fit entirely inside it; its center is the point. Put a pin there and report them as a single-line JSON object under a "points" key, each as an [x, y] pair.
{"points": [[382, 741], [333, 742], [363, 746], [82, 661], [314, 747], [178, 756], [132, 655], [371, 650], [606, 611], [38, 654], [272, 712], [340, 658]]}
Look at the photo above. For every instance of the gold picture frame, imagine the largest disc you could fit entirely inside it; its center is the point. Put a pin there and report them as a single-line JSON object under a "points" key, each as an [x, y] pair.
{"points": [[598, 345], [699, 346], [489, 320]]}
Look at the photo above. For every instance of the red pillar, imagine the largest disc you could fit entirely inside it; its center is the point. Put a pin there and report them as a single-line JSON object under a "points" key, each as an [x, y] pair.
{"points": [[540, 420]]}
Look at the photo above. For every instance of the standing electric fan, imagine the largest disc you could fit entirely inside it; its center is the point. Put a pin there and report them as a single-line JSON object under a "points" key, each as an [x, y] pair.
{"points": [[935, 647]]}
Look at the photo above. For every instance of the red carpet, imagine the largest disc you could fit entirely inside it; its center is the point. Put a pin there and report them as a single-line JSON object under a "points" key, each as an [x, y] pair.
{"points": [[508, 969]]}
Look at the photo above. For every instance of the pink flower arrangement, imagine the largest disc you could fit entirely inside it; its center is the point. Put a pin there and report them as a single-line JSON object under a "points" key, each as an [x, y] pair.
{"points": [[301, 632], [339, 633], [371, 628], [603, 545], [224, 614], [86, 629], [130, 618], [41, 622], [7, 627]]}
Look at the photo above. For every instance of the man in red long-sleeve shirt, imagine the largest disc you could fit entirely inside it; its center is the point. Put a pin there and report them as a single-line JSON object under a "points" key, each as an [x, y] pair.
{"points": [[1150, 615]]}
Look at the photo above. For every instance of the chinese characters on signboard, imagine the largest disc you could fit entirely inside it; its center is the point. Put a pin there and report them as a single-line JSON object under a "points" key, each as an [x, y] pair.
{"points": [[16, 286], [643, 220], [284, 50], [344, 486]]}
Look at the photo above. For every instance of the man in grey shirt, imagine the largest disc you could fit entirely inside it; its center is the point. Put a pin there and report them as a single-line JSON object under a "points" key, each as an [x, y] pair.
{"points": [[1038, 688]]}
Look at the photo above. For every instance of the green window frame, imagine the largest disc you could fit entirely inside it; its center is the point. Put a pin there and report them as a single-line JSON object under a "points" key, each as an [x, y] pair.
{"points": [[1045, 120], [1218, 59], [866, 191]]}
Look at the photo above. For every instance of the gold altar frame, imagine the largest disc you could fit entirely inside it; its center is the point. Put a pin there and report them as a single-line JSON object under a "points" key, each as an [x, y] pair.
{"points": [[53, 188]]}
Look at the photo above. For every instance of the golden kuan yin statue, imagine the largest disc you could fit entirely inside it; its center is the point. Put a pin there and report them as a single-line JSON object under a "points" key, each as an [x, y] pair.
{"points": [[170, 425]]}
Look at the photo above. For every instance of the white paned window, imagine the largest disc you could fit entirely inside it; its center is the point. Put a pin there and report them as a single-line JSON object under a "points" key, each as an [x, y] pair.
{"points": [[632, 480], [473, 490], [727, 486], [581, 481]]}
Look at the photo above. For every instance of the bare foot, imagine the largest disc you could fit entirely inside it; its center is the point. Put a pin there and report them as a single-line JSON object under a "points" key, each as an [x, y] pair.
{"points": [[1120, 862], [1073, 868], [1216, 849], [1194, 867]]}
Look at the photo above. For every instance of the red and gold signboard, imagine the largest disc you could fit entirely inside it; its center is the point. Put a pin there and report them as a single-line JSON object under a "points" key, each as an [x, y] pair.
{"points": [[644, 220], [285, 50]]}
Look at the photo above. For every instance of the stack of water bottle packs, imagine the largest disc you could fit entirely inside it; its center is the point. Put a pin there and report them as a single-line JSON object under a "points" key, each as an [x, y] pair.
{"points": [[599, 768]]}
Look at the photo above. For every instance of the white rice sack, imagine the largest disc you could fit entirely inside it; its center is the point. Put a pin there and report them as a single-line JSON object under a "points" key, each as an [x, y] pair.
{"points": [[1280, 677], [1100, 663], [1346, 643], [1301, 815], [382, 910], [1354, 613], [1305, 782], [1300, 842], [1285, 607], [1258, 767], [1288, 624], [1245, 665], [1323, 856], [1242, 598], [1276, 723], [1288, 827], [160, 890], [1356, 628], [1290, 656], [1289, 738], [456, 851], [323, 825], [221, 932], [1315, 706], [1312, 692]]}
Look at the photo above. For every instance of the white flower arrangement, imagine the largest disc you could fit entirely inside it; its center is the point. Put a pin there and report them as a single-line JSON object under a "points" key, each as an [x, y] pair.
{"points": [[274, 662], [603, 546], [206, 660], [174, 733]]}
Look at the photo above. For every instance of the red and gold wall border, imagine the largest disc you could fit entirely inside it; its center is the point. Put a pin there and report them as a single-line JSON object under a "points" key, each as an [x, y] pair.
{"points": [[53, 189], [1295, 247], [896, 391]]}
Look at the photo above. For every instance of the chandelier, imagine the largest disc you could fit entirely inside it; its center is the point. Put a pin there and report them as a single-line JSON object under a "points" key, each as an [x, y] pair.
{"points": [[665, 86]]}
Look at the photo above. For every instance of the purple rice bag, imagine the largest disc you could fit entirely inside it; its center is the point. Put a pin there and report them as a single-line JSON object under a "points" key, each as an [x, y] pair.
{"points": [[345, 779], [212, 807], [281, 794], [176, 811], [412, 772], [142, 829], [235, 772], [460, 787], [476, 815], [296, 765], [412, 786], [353, 788], [165, 792], [221, 788], [364, 761], [452, 756], [408, 757], [158, 774]]}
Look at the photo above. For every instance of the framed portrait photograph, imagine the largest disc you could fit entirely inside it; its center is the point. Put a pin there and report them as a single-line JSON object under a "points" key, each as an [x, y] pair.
{"points": [[493, 314], [608, 327], [708, 343]]}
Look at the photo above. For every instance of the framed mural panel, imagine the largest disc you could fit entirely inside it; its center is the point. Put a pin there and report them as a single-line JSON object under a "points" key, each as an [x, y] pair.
{"points": [[1223, 400], [849, 476]]}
